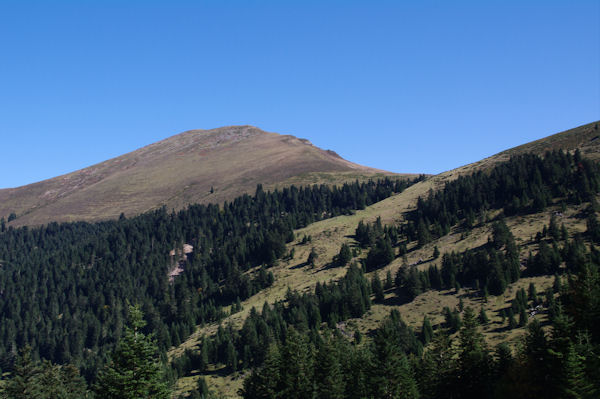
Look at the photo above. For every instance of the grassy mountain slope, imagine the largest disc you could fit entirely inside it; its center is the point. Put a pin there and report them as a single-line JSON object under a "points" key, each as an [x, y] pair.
{"points": [[178, 171], [328, 235]]}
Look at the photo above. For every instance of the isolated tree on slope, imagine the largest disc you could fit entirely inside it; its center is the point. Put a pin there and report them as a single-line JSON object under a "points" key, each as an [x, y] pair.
{"points": [[135, 371]]}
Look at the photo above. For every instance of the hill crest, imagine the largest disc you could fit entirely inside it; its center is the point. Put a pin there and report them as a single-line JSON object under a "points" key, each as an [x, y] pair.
{"points": [[196, 166]]}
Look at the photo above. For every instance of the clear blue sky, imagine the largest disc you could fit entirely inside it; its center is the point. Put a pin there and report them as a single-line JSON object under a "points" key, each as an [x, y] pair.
{"points": [[419, 86]]}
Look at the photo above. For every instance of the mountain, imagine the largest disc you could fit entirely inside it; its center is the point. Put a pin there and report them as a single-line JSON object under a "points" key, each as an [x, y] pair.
{"points": [[197, 166], [372, 270]]}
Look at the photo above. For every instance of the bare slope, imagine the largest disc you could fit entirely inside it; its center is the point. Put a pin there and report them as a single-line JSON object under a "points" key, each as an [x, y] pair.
{"points": [[176, 172]]}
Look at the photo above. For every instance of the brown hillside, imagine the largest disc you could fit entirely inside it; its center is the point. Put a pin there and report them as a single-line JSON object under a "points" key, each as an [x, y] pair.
{"points": [[178, 171]]}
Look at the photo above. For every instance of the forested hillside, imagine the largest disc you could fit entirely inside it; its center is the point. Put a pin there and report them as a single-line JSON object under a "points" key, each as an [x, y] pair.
{"points": [[432, 359], [65, 288]]}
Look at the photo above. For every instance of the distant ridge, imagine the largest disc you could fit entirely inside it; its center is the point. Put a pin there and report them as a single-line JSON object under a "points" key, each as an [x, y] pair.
{"points": [[196, 166], [586, 138], [217, 165]]}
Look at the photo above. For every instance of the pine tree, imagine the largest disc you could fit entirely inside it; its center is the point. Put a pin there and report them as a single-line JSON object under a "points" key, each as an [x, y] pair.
{"points": [[377, 288], [23, 384], [553, 229], [392, 376], [436, 368], [523, 317], [474, 359], [135, 370], [532, 293], [264, 383], [436, 252], [483, 317], [296, 367], [344, 255], [380, 255], [389, 282], [312, 257], [556, 285], [574, 383], [328, 373], [426, 331], [231, 359], [512, 323], [567, 368], [43, 380], [536, 370]]}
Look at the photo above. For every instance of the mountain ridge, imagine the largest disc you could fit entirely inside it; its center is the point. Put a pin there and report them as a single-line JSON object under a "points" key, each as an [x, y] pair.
{"points": [[217, 165], [195, 166]]}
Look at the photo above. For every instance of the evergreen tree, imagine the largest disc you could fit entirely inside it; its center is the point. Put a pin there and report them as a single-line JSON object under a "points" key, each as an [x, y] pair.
{"points": [[344, 255], [523, 317], [377, 288], [474, 360], [135, 370], [483, 317], [23, 384], [264, 383], [328, 372], [436, 368], [574, 383], [312, 257], [512, 323], [531, 292], [43, 380], [391, 374], [380, 255], [553, 229], [426, 331], [296, 369], [556, 285], [389, 282]]}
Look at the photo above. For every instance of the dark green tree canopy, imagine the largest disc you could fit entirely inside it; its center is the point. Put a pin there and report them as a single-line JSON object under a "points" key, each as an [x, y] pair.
{"points": [[135, 370]]}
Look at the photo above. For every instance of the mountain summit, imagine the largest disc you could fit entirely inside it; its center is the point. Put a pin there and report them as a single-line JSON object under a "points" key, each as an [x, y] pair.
{"points": [[196, 166]]}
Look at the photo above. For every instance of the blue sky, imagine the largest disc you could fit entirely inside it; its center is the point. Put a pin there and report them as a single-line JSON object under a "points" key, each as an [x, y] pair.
{"points": [[421, 86]]}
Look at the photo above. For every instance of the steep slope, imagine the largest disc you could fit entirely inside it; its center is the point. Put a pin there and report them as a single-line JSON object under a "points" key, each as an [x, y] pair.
{"points": [[197, 166], [329, 235]]}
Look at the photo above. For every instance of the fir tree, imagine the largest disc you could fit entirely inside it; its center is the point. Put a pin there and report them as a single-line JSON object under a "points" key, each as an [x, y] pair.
{"points": [[43, 380], [436, 252], [512, 323], [426, 331], [312, 257], [328, 373], [344, 255], [389, 282], [483, 317], [296, 370], [474, 359], [135, 370], [377, 288], [264, 383], [392, 376], [532, 293]]}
